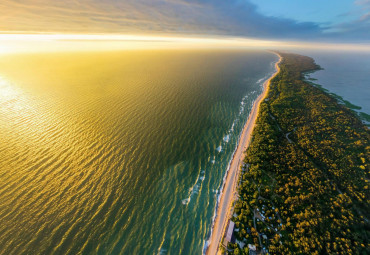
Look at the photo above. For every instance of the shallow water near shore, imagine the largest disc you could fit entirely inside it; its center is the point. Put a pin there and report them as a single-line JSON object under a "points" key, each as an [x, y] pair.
{"points": [[120, 152]]}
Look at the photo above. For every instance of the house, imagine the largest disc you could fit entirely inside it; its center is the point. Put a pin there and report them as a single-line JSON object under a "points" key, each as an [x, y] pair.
{"points": [[229, 234], [252, 249], [265, 250], [258, 215]]}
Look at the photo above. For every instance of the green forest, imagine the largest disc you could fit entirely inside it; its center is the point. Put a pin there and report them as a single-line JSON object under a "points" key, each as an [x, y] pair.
{"points": [[304, 184]]}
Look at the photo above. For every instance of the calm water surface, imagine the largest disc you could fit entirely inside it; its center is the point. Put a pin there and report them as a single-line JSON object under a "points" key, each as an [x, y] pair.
{"points": [[120, 152], [345, 73]]}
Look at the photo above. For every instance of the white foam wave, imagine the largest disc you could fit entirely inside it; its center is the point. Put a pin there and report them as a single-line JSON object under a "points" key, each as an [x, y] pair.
{"points": [[219, 191], [162, 251], [219, 148], [195, 188], [232, 126], [186, 201], [260, 80]]}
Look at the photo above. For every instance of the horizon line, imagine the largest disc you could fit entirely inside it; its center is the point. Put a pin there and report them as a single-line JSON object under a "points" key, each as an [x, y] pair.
{"points": [[167, 40]]}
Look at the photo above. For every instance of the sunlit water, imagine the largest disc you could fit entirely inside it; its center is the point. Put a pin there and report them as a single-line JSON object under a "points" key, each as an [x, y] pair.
{"points": [[121, 152]]}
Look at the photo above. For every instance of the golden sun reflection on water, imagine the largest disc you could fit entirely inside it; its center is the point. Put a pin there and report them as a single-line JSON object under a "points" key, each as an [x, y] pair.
{"points": [[93, 143], [6, 90], [12, 103], [20, 111]]}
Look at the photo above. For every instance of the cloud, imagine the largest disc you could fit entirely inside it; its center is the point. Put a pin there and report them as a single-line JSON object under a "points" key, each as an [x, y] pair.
{"points": [[363, 3], [246, 21], [356, 30], [195, 17]]}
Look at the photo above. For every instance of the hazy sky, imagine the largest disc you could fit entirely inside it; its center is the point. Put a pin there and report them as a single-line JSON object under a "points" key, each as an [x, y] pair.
{"points": [[302, 20]]}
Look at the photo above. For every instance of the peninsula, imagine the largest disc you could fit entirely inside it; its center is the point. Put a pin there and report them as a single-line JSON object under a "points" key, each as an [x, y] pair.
{"points": [[303, 186]]}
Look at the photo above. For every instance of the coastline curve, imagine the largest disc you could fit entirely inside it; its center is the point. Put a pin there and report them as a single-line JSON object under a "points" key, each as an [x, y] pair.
{"points": [[229, 188]]}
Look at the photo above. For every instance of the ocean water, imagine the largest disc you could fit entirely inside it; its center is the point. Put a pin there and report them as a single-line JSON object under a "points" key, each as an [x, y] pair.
{"points": [[346, 74], [119, 152]]}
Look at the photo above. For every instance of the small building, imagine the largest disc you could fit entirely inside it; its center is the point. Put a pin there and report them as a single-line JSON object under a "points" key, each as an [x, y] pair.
{"points": [[252, 249], [229, 234], [265, 250], [258, 215]]}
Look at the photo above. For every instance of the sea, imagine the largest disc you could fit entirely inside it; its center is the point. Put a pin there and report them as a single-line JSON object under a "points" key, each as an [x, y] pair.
{"points": [[120, 152]]}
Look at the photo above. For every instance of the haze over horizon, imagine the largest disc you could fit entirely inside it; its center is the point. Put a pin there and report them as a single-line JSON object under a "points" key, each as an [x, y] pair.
{"points": [[329, 22]]}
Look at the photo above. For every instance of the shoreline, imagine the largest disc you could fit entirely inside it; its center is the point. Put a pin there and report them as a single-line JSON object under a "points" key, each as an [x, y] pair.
{"points": [[229, 189]]}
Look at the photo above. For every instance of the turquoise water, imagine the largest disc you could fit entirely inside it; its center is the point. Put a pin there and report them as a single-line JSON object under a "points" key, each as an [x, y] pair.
{"points": [[120, 152], [346, 74]]}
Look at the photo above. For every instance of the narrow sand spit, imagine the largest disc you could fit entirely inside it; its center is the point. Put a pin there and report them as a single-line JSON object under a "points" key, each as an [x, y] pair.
{"points": [[229, 192]]}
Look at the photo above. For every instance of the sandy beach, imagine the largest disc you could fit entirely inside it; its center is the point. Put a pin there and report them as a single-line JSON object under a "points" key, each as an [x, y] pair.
{"points": [[229, 192]]}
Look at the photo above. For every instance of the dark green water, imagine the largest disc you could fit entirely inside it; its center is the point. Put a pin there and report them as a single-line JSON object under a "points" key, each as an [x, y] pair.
{"points": [[120, 152]]}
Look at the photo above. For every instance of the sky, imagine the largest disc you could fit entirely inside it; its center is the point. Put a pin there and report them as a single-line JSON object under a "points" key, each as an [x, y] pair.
{"points": [[324, 21], [327, 12]]}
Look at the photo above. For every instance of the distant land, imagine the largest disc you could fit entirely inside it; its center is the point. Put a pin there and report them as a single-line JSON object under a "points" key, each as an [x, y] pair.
{"points": [[304, 184]]}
